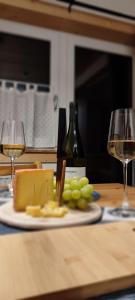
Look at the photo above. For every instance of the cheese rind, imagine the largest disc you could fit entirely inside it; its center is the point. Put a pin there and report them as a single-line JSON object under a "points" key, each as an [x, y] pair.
{"points": [[32, 187]]}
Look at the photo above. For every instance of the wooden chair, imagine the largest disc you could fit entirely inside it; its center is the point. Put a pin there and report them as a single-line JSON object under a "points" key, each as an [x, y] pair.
{"points": [[5, 170]]}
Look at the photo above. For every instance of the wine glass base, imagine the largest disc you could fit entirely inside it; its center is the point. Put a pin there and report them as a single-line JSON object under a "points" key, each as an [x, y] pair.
{"points": [[10, 189], [122, 212]]}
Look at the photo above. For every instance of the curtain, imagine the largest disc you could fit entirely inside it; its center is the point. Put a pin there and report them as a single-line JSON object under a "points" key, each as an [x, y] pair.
{"points": [[44, 121], [34, 108]]}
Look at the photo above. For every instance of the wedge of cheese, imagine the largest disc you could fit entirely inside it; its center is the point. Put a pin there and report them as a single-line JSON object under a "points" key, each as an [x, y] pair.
{"points": [[32, 187]]}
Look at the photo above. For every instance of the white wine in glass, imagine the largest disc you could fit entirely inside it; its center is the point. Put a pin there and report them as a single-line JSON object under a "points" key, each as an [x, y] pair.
{"points": [[12, 142], [121, 145]]}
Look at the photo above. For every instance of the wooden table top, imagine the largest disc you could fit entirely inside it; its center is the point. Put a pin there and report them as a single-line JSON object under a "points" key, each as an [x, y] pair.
{"points": [[112, 194], [70, 263]]}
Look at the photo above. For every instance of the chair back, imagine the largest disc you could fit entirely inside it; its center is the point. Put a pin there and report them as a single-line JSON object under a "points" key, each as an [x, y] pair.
{"points": [[6, 169]]}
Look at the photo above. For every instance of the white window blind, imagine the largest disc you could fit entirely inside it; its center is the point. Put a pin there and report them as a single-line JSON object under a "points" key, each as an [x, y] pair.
{"points": [[33, 105]]}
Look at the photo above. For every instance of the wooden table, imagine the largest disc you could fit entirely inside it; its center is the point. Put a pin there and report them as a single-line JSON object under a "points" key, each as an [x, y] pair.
{"points": [[70, 263], [112, 194]]}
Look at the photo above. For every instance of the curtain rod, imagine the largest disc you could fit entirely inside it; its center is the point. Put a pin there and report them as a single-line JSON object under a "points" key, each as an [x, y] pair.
{"points": [[96, 8]]}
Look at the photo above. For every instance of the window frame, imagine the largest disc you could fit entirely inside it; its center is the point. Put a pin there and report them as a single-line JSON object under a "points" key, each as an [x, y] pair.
{"points": [[100, 45], [62, 63], [31, 155]]}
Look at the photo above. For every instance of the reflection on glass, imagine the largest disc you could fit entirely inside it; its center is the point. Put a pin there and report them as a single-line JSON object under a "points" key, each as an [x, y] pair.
{"points": [[12, 142], [121, 145]]}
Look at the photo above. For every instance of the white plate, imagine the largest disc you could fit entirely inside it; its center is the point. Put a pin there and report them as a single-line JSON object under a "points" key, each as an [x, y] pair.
{"points": [[74, 217], [5, 199]]}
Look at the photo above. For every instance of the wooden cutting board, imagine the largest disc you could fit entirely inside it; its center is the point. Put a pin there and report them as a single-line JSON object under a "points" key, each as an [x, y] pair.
{"points": [[68, 263]]}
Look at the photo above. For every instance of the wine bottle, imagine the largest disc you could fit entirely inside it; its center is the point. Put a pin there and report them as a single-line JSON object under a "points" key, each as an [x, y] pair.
{"points": [[73, 150]]}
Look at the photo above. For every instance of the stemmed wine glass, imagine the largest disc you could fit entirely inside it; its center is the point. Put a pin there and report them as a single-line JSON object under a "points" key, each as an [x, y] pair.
{"points": [[12, 143], [121, 145]]}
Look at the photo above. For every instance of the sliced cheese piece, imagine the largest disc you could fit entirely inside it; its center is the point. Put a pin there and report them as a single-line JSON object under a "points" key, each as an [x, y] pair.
{"points": [[34, 211], [57, 212], [32, 187], [47, 211]]}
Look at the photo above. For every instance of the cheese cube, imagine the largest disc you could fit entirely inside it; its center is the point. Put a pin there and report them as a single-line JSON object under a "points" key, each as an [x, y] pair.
{"points": [[34, 211], [32, 187]]}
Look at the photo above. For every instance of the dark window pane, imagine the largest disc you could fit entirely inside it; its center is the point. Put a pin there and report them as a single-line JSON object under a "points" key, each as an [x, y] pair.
{"points": [[103, 82], [24, 59]]}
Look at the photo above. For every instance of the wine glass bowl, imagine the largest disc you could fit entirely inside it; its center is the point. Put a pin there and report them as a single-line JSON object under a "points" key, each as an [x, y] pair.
{"points": [[121, 145], [12, 142]]}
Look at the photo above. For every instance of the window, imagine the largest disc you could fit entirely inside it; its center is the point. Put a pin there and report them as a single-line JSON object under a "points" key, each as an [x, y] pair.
{"points": [[62, 59], [27, 82], [101, 79]]}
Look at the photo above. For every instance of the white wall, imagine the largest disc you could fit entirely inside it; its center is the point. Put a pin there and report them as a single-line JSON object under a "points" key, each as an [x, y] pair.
{"points": [[123, 6]]}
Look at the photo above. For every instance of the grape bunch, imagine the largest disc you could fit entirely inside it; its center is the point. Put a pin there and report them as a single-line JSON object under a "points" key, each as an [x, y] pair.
{"points": [[77, 193]]}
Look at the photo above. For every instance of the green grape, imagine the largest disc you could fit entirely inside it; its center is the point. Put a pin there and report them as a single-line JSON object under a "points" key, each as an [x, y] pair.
{"points": [[54, 182], [67, 195], [66, 186], [54, 194], [71, 204], [86, 191], [68, 180], [76, 194], [75, 178], [82, 204], [90, 188], [74, 185], [83, 181]]}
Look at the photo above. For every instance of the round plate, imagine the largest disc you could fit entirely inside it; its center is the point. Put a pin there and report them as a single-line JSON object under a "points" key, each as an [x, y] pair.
{"points": [[75, 217]]}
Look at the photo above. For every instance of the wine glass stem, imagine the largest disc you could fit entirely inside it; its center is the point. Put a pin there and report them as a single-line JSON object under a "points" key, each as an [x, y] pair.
{"points": [[125, 203], [12, 170]]}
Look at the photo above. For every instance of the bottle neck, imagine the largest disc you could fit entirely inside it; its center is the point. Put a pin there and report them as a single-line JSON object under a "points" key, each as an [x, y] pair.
{"points": [[73, 137], [73, 117]]}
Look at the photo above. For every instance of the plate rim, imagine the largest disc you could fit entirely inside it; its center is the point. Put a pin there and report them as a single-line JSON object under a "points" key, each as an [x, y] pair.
{"points": [[47, 223]]}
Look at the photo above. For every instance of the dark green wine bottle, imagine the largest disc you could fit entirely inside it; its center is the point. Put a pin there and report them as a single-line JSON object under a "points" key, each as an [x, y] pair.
{"points": [[73, 149]]}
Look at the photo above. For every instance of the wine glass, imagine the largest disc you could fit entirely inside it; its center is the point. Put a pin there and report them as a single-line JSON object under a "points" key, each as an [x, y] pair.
{"points": [[121, 145], [12, 143]]}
